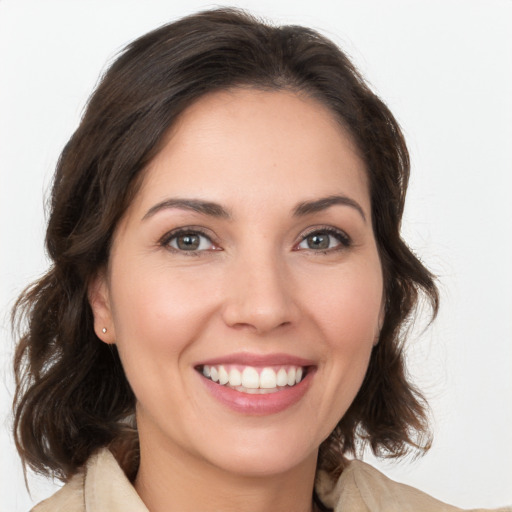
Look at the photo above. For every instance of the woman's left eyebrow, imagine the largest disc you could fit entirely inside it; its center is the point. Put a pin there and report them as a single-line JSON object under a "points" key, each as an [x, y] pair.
{"points": [[318, 205], [195, 205]]}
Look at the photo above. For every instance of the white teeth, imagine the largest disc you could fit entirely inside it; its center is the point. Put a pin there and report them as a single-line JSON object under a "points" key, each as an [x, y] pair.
{"points": [[250, 378], [259, 391], [223, 375], [282, 377], [235, 377], [268, 379], [291, 376]]}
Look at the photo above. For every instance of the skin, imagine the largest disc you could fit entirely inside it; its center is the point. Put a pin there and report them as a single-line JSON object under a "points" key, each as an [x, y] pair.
{"points": [[256, 286]]}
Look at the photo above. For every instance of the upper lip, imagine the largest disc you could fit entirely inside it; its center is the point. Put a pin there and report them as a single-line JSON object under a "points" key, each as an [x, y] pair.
{"points": [[247, 359]]}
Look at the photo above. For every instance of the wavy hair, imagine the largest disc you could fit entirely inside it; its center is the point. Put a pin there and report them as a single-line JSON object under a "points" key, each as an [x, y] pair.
{"points": [[72, 396]]}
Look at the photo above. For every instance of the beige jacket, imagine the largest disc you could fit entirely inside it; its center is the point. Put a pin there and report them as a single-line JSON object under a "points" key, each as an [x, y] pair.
{"points": [[103, 487]]}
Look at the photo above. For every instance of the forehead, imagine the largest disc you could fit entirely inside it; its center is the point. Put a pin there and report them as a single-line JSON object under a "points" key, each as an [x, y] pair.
{"points": [[245, 145]]}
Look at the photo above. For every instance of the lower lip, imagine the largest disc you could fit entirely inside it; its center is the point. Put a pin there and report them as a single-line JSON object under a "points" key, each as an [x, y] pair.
{"points": [[270, 403]]}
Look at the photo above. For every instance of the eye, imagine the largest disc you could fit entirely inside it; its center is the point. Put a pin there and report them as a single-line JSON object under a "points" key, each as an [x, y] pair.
{"points": [[326, 239], [188, 241]]}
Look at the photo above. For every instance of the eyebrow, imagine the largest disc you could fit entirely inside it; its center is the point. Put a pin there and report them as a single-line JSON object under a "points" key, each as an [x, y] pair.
{"points": [[195, 205], [318, 205], [216, 210]]}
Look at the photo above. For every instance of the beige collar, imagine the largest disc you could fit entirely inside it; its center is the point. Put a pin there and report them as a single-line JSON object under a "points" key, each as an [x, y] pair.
{"points": [[102, 486]]}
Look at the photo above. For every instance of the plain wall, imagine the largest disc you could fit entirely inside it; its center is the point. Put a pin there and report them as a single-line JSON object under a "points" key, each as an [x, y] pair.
{"points": [[443, 67]]}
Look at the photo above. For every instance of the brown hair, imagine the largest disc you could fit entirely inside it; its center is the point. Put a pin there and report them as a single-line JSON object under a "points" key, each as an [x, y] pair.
{"points": [[72, 396]]}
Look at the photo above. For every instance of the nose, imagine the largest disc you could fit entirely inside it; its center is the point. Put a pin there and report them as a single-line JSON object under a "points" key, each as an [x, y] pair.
{"points": [[259, 294]]}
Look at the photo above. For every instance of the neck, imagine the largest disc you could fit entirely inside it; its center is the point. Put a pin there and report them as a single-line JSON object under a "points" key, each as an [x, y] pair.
{"points": [[172, 480]]}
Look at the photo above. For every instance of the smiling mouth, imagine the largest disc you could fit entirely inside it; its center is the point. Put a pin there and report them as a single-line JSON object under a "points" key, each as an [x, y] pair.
{"points": [[254, 380]]}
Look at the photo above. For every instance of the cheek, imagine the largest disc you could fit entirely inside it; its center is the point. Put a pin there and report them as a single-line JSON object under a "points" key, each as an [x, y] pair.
{"points": [[346, 310], [157, 315], [157, 299], [350, 324], [347, 305]]}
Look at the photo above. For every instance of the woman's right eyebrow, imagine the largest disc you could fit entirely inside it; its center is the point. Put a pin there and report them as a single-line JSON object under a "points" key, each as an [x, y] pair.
{"points": [[195, 205]]}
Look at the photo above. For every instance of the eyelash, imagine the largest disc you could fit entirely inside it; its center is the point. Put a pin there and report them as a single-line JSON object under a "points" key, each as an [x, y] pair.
{"points": [[165, 241], [340, 236]]}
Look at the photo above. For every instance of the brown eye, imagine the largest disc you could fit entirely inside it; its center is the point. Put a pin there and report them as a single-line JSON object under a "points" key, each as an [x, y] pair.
{"points": [[190, 241]]}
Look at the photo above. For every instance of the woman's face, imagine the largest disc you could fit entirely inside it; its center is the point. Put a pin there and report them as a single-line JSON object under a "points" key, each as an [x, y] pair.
{"points": [[246, 258]]}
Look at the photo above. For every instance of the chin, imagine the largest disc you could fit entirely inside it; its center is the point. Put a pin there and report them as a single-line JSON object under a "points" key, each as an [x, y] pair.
{"points": [[267, 454], [264, 463]]}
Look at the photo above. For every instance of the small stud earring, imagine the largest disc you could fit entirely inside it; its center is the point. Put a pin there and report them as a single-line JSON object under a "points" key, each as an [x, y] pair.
{"points": [[104, 330]]}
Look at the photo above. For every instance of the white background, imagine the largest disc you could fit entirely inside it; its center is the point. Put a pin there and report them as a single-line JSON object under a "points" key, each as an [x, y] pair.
{"points": [[445, 69]]}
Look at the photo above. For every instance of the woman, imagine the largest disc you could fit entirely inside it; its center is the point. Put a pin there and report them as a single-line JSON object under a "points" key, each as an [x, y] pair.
{"points": [[222, 324]]}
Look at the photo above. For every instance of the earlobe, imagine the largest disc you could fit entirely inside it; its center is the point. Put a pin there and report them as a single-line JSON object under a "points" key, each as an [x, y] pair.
{"points": [[99, 300]]}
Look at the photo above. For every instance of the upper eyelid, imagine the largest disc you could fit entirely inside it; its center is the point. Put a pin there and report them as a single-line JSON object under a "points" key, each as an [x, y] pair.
{"points": [[187, 229], [326, 228]]}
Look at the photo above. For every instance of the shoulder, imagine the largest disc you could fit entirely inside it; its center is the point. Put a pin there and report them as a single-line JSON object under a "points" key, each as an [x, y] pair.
{"points": [[70, 498], [101, 485], [362, 488]]}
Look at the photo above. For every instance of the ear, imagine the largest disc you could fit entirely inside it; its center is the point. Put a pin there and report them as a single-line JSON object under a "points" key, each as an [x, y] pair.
{"points": [[99, 300]]}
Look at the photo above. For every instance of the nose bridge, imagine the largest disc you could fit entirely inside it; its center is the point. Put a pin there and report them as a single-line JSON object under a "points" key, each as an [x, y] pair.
{"points": [[260, 293]]}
